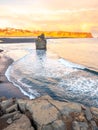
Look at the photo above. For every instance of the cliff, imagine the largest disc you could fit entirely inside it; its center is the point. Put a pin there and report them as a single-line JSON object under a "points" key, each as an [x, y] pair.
{"points": [[10, 32]]}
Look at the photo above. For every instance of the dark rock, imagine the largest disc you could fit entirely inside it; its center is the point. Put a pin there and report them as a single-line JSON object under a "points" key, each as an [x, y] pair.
{"points": [[9, 115], [21, 124], [42, 108], [88, 114], [17, 116], [41, 42], [44, 113], [47, 127], [1, 50], [78, 116], [1, 111], [9, 121], [6, 104], [11, 108], [94, 110], [2, 98], [66, 108], [59, 125], [94, 126], [83, 107], [22, 105], [83, 125], [56, 125], [1, 81], [75, 126], [3, 124], [93, 123]]}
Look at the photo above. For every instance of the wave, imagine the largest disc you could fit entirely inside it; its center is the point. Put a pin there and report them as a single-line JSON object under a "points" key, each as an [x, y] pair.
{"points": [[70, 64], [32, 94], [39, 73], [41, 66]]}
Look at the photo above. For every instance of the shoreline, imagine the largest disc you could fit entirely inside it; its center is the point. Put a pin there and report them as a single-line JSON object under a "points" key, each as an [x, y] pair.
{"points": [[52, 113], [15, 54], [80, 54], [7, 89], [70, 53]]}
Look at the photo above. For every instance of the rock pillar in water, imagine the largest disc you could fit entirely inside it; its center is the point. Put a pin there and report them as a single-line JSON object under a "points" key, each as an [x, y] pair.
{"points": [[41, 42]]}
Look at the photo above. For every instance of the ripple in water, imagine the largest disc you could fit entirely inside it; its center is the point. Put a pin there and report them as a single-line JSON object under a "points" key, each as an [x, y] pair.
{"points": [[41, 73]]}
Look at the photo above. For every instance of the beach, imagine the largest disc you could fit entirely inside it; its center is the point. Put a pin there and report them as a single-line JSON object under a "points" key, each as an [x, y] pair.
{"points": [[7, 57], [7, 89], [84, 53], [68, 51]]}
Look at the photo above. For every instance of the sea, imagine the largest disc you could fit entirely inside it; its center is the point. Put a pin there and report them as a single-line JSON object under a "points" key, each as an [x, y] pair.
{"points": [[68, 70]]}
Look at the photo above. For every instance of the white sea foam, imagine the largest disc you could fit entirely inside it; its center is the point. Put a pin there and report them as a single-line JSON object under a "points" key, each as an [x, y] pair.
{"points": [[80, 85], [24, 92], [70, 64], [29, 89], [51, 68], [7, 73], [30, 93]]}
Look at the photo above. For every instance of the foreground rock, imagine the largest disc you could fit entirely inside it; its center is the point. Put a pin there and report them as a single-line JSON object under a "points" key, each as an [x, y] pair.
{"points": [[21, 124], [44, 113]]}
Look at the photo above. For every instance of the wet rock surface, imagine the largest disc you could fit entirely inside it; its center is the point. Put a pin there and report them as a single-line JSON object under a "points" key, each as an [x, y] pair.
{"points": [[44, 113]]}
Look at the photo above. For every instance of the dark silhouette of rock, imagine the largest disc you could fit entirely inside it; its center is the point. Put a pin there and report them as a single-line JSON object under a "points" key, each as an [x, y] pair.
{"points": [[1, 50], [41, 42]]}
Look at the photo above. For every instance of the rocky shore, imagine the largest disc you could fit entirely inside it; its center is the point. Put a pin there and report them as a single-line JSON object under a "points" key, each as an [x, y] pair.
{"points": [[44, 113]]}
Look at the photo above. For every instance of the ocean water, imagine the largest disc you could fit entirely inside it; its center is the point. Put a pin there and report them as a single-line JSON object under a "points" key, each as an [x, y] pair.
{"points": [[50, 72]]}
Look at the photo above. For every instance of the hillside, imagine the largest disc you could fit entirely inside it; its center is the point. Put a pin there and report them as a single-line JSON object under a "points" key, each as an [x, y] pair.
{"points": [[11, 32]]}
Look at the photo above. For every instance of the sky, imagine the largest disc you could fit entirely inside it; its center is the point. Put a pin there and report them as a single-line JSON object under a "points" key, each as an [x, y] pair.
{"points": [[50, 15]]}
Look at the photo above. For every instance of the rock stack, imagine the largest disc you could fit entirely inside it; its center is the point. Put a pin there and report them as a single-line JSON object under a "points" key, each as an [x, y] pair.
{"points": [[1, 50], [41, 42], [44, 113]]}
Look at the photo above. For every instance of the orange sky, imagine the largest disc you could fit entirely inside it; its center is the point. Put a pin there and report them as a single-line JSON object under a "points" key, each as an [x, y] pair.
{"points": [[66, 15]]}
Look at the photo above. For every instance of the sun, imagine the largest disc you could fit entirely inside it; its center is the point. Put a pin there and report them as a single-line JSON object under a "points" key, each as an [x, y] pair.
{"points": [[84, 27]]}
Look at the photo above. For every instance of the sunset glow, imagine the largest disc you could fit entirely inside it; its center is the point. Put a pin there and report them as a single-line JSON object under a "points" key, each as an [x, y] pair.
{"points": [[50, 15]]}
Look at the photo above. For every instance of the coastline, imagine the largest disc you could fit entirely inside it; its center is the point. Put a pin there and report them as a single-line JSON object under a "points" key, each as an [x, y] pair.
{"points": [[71, 51], [26, 114], [13, 52], [7, 89]]}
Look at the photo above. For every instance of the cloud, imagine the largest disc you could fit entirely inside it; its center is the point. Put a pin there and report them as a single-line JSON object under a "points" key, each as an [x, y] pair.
{"points": [[50, 15]]}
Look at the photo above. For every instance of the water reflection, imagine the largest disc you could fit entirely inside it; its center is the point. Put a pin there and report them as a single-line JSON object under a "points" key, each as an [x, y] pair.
{"points": [[41, 55], [40, 61]]}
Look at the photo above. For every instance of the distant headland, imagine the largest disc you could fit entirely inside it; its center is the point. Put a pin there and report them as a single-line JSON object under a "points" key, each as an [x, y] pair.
{"points": [[12, 32]]}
